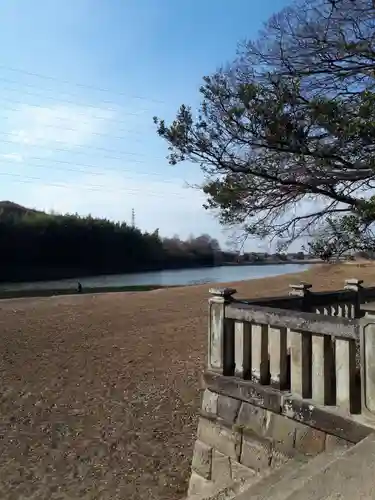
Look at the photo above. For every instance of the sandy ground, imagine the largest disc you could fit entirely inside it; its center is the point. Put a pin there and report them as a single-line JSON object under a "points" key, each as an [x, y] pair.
{"points": [[99, 393]]}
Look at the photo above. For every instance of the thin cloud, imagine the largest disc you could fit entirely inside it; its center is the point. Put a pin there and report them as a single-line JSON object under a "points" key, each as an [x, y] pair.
{"points": [[48, 125], [16, 157]]}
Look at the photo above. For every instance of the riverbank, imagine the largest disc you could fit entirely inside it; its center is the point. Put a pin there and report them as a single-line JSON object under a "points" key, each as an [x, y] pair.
{"points": [[100, 393], [147, 281], [52, 292]]}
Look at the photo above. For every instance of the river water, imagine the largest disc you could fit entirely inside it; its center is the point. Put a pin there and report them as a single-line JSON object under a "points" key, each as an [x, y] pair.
{"points": [[220, 274]]}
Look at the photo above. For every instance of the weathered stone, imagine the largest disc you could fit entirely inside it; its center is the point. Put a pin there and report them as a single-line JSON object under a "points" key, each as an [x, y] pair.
{"points": [[368, 369], [308, 440], [334, 442], [221, 470], [240, 472], [209, 402], [202, 459], [197, 484], [244, 390], [216, 334], [256, 454], [252, 418], [345, 374], [278, 459], [344, 427], [219, 437], [282, 431], [227, 408]]}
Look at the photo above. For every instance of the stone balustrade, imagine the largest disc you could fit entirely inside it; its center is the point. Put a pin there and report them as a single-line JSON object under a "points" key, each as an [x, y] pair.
{"points": [[287, 378], [310, 355], [321, 356]]}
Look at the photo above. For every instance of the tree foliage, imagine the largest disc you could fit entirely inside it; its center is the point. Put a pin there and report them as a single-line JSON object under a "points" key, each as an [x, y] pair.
{"points": [[36, 245], [285, 134]]}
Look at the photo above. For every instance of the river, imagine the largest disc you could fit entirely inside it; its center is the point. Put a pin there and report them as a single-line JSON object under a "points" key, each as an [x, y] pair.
{"points": [[220, 274]]}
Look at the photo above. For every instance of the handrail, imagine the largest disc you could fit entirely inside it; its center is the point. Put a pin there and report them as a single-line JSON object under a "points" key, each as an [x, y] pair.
{"points": [[341, 328], [302, 298]]}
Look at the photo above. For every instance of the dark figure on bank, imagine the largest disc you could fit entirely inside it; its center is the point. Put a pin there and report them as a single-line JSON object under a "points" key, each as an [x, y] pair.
{"points": [[79, 287]]}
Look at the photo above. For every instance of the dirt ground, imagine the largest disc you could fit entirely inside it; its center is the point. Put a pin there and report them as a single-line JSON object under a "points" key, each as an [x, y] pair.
{"points": [[99, 393]]}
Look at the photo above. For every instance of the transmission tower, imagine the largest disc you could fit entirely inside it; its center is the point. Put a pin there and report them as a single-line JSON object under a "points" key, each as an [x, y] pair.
{"points": [[133, 217]]}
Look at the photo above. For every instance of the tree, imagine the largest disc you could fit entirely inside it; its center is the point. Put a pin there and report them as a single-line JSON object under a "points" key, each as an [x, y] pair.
{"points": [[285, 134], [36, 245], [341, 237]]}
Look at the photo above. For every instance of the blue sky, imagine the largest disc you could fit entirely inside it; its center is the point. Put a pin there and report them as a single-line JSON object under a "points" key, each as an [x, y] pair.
{"points": [[80, 81]]}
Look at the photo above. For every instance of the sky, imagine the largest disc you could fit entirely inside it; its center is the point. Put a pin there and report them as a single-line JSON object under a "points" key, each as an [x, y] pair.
{"points": [[80, 81]]}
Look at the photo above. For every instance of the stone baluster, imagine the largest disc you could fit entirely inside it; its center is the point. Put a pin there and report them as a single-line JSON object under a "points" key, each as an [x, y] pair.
{"points": [[301, 347], [345, 374], [242, 349], [220, 331], [278, 357]]}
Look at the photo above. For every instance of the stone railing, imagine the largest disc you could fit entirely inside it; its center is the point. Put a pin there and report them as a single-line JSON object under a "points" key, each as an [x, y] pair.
{"points": [[311, 356], [287, 378], [343, 303], [320, 350]]}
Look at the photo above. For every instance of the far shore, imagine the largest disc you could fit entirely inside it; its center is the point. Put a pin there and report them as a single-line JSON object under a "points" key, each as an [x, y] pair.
{"points": [[274, 262], [72, 288]]}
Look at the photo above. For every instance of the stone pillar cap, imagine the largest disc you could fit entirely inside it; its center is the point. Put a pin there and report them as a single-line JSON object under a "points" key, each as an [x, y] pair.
{"points": [[301, 286], [222, 292], [353, 281]]}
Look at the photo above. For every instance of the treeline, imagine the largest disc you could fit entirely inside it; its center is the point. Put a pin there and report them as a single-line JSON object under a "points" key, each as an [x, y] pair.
{"points": [[38, 246]]}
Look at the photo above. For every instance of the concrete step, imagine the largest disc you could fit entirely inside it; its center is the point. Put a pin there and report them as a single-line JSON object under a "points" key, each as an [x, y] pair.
{"points": [[231, 490], [290, 478], [351, 476]]}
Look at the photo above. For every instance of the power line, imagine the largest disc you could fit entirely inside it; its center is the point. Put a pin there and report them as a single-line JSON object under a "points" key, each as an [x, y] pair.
{"points": [[70, 129], [81, 85], [89, 187], [57, 117], [65, 150], [30, 85], [70, 151], [79, 113], [103, 172]]}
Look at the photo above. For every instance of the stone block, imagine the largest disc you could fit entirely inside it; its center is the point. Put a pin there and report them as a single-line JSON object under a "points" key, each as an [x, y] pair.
{"points": [[334, 442], [227, 408], [225, 440], [252, 418], [308, 440], [209, 402], [221, 470], [197, 484], [202, 459], [240, 472], [278, 459], [256, 454], [282, 431]]}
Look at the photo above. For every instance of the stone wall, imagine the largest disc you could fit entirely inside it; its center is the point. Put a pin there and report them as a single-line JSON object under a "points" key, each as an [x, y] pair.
{"points": [[238, 441]]}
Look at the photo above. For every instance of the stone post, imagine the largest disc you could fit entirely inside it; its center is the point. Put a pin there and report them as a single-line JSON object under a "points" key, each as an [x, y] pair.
{"points": [[302, 290], [217, 327], [356, 286], [367, 340]]}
